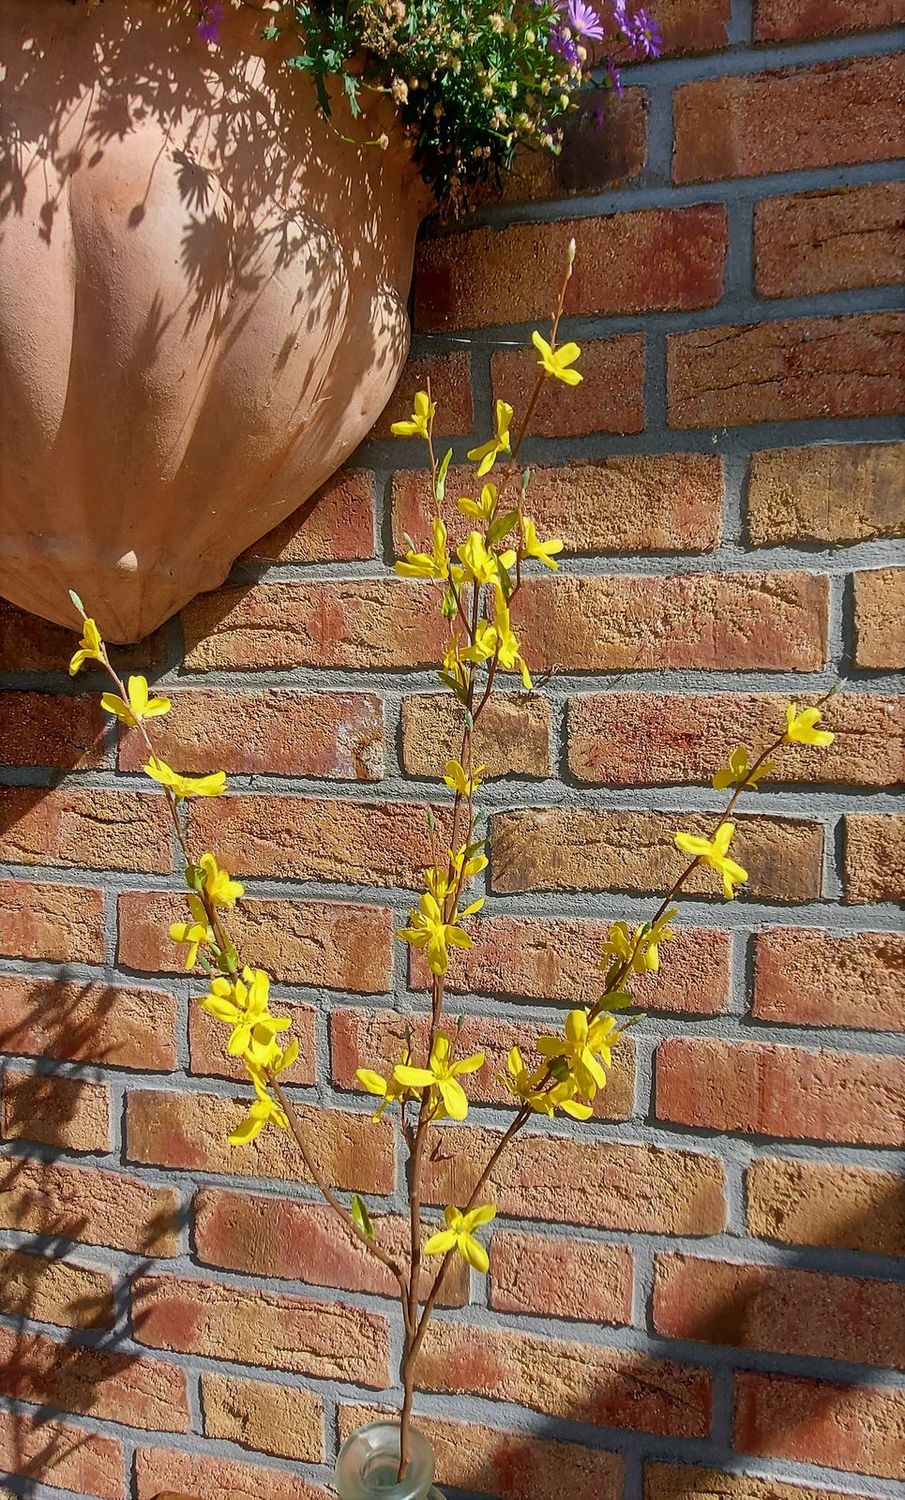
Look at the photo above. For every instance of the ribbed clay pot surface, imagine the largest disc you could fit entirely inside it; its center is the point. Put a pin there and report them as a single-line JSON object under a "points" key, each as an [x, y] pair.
{"points": [[202, 300]]}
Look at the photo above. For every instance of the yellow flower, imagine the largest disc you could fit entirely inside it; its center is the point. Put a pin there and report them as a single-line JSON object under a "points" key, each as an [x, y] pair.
{"points": [[714, 852], [458, 1235], [139, 706], [243, 1005], [544, 1101], [640, 948], [738, 772], [219, 886], [480, 564], [433, 564], [801, 727], [91, 647], [265, 1110], [556, 362], [458, 780], [443, 1075], [534, 547], [483, 509], [583, 1043], [186, 786], [509, 653], [196, 933], [486, 455], [429, 931], [387, 1089], [421, 419], [453, 667]]}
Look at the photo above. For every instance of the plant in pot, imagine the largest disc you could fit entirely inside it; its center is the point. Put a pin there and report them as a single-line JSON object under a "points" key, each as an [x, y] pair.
{"points": [[480, 549], [208, 214]]}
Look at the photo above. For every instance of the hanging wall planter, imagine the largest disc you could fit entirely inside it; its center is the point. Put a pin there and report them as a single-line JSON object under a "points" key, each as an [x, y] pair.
{"points": [[202, 299]]}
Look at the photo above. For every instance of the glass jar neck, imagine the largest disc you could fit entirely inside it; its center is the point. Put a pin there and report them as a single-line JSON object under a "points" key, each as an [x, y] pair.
{"points": [[368, 1465]]}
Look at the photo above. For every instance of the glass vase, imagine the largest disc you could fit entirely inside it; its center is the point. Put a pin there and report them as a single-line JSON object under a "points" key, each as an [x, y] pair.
{"points": [[368, 1463]]}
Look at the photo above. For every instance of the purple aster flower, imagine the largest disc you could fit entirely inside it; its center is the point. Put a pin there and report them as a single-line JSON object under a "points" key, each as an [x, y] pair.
{"points": [[209, 24], [639, 29], [614, 79], [566, 46], [583, 20]]}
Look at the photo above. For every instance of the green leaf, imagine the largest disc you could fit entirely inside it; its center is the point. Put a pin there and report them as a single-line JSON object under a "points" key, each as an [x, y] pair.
{"points": [[350, 84], [194, 877], [440, 486], [502, 525], [361, 1218], [619, 1000], [78, 604], [431, 820]]}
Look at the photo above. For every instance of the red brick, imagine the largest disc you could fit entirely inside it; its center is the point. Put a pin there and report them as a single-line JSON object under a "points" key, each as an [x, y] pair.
{"points": [[880, 618], [671, 739], [512, 735], [791, 119], [798, 20], [326, 1339], [375, 1039], [69, 1113], [189, 1132], [859, 1428], [782, 1091], [276, 1419], [358, 624], [693, 25], [581, 1382], [95, 829], [679, 1482], [559, 959], [649, 260], [54, 1291], [30, 644], [567, 849], [58, 1201], [738, 621], [874, 857], [303, 1241], [809, 1203], [59, 923], [83, 1021], [846, 492], [206, 1476], [273, 733], [830, 241], [113, 1387], [50, 729], [815, 979], [595, 156], [335, 525], [642, 503], [332, 944], [576, 1279], [568, 1180], [49, 1452], [790, 369], [449, 376], [615, 366], [207, 1044], [509, 1465], [359, 843], [778, 1308]]}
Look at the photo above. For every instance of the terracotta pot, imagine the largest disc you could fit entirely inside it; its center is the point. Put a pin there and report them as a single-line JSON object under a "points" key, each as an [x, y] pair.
{"points": [[202, 300]]}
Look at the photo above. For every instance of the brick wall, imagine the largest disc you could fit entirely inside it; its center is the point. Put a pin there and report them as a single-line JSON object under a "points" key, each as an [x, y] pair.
{"points": [[695, 1294]]}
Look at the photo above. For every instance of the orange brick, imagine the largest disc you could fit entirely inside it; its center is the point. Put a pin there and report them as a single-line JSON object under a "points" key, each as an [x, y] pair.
{"points": [[582, 1382], [30, 644], [566, 849], [616, 366], [830, 241], [207, 1043], [69, 1113], [880, 618], [791, 119], [58, 923], [559, 959], [846, 492], [83, 1021], [693, 25], [335, 525], [48, 1452], [206, 1476], [573, 1181], [576, 1279], [813, 979], [782, 1091], [778, 1308], [273, 733], [326, 943], [359, 624], [798, 20], [671, 739], [874, 857], [325, 1339], [189, 1132], [58, 1201], [790, 369], [449, 378], [50, 729], [809, 1203], [734, 621], [644, 502], [851, 1427], [54, 1291], [679, 1482], [511, 738], [644, 261], [594, 156], [113, 1387], [94, 829], [276, 1419]]}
